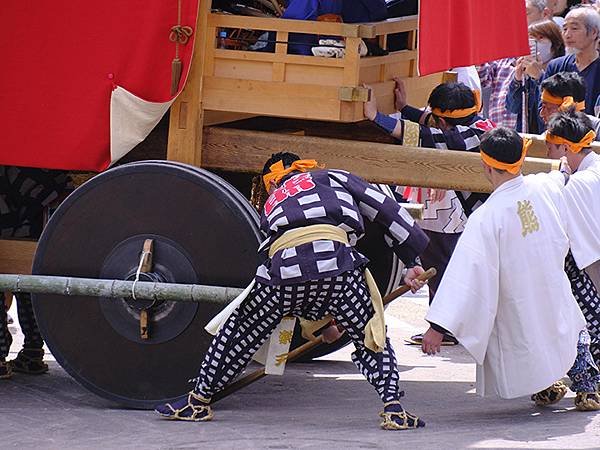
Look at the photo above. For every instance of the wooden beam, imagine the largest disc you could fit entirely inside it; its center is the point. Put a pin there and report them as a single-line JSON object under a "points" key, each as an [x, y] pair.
{"points": [[538, 146], [389, 26], [246, 151], [16, 256], [278, 24], [187, 113]]}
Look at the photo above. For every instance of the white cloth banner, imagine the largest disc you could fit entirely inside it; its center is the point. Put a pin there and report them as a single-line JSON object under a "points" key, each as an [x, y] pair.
{"points": [[131, 120]]}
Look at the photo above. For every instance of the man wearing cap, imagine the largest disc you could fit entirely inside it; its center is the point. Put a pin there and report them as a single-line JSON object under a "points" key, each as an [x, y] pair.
{"points": [[516, 314], [310, 269]]}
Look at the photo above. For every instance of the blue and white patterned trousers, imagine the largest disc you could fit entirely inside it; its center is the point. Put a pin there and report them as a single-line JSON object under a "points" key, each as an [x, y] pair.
{"points": [[33, 338], [588, 300], [584, 374], [345, 297]]}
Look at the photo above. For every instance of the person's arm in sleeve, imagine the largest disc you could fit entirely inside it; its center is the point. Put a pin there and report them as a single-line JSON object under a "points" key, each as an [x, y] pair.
{"points": [[404, 236], [514, 96]]}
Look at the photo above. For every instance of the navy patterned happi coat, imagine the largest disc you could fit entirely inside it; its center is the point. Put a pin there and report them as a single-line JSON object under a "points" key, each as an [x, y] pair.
{"points": [[331, 197]]}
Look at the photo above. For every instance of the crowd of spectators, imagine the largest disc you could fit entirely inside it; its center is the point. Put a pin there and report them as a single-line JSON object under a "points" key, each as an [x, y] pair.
{"points": [[564, 36]]}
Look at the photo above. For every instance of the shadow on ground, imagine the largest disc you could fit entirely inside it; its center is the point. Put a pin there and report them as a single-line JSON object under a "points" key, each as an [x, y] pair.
{"points": [[311, 406]]}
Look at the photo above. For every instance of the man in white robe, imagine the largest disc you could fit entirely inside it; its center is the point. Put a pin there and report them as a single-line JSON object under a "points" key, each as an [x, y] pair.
{"points": [[505, 295], [569, 137]]}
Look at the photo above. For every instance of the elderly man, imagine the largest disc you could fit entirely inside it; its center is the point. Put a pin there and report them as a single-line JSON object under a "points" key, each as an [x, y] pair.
{"points": [[581, 33], [310, 269]]}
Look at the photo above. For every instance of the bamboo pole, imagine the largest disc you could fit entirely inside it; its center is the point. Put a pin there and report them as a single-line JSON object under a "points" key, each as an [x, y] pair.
{"points": [[141, 290], [308, 346]]}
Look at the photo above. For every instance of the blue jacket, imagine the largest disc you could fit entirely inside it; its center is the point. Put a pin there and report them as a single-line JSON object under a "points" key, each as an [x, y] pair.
{"points": [[514, 103]]}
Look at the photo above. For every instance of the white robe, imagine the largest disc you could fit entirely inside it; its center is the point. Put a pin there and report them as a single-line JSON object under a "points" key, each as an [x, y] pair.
{"points": [[582, 203], [505, 295]]}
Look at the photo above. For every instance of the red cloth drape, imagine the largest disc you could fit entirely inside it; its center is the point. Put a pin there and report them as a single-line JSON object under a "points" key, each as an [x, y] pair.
{"points": [[455, 33], [60, 60]]}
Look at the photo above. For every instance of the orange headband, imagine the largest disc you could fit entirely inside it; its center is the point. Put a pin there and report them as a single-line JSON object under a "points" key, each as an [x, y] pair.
{"points": [[277, 171], [509, 167], [460, 113], [564, 102], [574, 147]]}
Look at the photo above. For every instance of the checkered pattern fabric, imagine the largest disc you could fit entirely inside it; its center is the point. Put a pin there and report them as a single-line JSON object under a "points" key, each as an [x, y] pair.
{"points": [[24, 193], [587, 297], [449, 215], [345, 297], [5, 336], [33, 338], [332, 197], [460, 137], [496, 75], [584, 374]]}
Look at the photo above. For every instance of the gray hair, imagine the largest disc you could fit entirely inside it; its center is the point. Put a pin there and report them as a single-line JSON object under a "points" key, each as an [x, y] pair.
{"points": [[589, 16], [538, 4]]}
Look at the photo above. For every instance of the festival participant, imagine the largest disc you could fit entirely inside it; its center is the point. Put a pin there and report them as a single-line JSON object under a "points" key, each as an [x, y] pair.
{"points": [[24, 193], [452, 123], [310, 269], [569, 136], [564, 91], [516, 314]]}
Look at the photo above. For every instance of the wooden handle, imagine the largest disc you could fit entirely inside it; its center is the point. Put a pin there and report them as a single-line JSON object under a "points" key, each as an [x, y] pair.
{"points": [[428, 274], [310, 345]]}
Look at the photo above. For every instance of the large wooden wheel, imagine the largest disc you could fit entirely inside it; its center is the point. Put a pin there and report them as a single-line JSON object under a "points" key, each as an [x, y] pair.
{"points": [[204, 231]]}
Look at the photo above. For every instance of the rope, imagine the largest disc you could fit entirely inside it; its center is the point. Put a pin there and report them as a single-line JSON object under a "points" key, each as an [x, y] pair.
{"points": [[137, 273]]}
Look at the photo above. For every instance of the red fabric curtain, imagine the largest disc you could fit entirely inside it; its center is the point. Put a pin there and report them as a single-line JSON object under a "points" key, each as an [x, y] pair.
{"points": [[455, 33], [61, 60]]}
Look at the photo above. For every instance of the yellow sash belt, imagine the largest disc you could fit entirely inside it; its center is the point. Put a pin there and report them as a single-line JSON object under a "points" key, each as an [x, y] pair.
{"points": [[375, 328]]}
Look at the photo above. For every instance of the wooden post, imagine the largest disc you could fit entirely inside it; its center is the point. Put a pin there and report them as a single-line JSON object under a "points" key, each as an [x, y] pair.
{"points": [[187, 114]]}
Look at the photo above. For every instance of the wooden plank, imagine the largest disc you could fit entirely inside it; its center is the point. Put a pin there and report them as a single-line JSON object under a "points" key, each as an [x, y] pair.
{"points": [[538, 147], [241, 150], [278, 24], [271, 98], [185, 126], [417, 89], [394, 25], [394, 57], [16, 256], [218, 117], [281, 48], [354, 94], [351, 62], [305, 60]]}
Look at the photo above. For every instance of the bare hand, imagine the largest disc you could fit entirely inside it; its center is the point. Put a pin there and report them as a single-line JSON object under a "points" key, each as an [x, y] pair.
{"points": [[432, 342], [400, 94], [331, 334], [520, 69], [436, 195], [533, 67], [410, 279], [370, 106]]}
